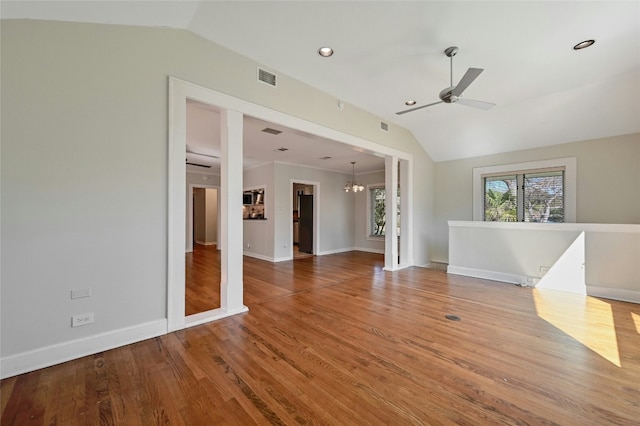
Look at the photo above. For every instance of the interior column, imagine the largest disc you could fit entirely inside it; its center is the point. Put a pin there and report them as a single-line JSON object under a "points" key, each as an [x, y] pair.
{"points": [[391, 213], [231, 226]]}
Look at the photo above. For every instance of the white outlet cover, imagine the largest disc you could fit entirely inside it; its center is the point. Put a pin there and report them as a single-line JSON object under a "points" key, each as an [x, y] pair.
{"points": [[80, 293], [82, 319]]}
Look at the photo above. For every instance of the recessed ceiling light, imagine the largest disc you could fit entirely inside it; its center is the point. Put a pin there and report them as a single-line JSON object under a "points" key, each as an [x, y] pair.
{"points": [[325, 51], [583, 44], [411, 102]]}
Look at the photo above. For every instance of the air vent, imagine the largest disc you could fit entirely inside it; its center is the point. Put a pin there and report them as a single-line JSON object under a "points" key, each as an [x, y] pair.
{"points": [[272, 131], [266, 77], [384, 126]]}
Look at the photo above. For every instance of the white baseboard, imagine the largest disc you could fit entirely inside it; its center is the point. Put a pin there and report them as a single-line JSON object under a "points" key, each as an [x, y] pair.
{"points": [[369, 250], [258, 256], [212, 315], [206, 243], [62, 352], [487, 275], [336, 251], [623, 295]]}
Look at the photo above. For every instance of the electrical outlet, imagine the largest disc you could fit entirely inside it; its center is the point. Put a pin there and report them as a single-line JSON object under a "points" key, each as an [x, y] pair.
{"points": [[544, 269], [286, 245], [248, 245], [82, 319], [80, 293]]}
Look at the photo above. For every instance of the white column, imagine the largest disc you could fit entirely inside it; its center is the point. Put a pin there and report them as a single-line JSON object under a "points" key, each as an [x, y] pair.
{"points": [[231, 287], [391, 213]]}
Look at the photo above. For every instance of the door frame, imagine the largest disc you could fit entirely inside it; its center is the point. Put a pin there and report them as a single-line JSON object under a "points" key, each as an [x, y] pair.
{"points": [[316, 213], [232, 109]]}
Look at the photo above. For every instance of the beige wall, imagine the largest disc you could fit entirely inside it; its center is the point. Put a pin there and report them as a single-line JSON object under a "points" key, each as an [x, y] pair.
{"points": [[608, 178]]}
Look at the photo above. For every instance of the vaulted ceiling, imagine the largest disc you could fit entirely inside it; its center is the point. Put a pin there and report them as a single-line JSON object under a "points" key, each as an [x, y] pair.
{"points": [[389, 52]]}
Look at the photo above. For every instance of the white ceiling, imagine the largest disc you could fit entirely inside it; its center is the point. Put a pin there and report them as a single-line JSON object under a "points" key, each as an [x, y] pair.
{"points": [[388, 52]]}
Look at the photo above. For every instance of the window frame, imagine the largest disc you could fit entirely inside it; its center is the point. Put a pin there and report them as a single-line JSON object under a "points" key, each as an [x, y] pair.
{"points": [[570, 182]]}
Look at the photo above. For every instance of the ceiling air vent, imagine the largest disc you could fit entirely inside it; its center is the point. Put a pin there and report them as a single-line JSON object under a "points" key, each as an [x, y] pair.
{"points": [[266, 77], [272, 131], [384, 126]]}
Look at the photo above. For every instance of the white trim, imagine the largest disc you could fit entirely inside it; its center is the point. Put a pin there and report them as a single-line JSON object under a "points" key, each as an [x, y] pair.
{"points": [[282, 259], [531, 226], [570, 182], [624, 295], [336, 251], [487, 275], [369, 250], [258, 256], [212, 315], [55, 354]]}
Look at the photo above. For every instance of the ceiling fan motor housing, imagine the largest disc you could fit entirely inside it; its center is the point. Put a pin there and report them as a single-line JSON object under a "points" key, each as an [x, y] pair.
{"points": [[446, 96]]}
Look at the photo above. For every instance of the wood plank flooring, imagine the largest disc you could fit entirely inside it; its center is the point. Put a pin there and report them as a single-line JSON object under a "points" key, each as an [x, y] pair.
{"points": [[336, 340]]}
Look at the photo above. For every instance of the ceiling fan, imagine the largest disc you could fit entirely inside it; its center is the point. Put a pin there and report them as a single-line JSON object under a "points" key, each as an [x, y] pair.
{"points": [[453, 93]]}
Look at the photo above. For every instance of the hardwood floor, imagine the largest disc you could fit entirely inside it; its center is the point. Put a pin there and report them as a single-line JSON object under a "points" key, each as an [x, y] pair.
{"points": [[202, 279], [336, 340]]}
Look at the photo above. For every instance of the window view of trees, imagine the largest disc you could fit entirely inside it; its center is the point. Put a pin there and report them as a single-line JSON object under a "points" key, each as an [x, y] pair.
{"points": [[378, 218], [543, 197], [529, 197], [378, 211], [500, 199]]}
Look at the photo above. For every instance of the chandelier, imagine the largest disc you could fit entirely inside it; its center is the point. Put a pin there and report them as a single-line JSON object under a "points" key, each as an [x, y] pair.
{"points": [[352, 185]]}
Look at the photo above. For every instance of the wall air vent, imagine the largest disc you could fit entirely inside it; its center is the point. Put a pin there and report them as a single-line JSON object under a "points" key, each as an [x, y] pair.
{"points": [[266, 77], [384, 126], [272, 131]]}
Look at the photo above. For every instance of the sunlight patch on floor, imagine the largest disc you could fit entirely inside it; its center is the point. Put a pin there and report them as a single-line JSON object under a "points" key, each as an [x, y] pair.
{"points": [[636, 321], [586, 319]]}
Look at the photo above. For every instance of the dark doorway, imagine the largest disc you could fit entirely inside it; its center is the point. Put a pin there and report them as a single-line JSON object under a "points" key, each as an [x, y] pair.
{"points": [[305, 237]]}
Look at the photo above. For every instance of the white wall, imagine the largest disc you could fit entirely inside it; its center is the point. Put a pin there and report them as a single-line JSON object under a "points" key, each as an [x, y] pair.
{"points": [[258, 234], [606, 263], [336, 210], [84, 176], [607, 183]]}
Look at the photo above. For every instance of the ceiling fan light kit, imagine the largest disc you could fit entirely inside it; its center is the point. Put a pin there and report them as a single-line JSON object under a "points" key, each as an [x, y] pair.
{"points": [[453, 93]]}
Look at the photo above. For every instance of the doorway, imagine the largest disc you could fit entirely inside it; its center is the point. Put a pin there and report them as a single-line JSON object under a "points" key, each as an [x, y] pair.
{"points": [[305, 219]]}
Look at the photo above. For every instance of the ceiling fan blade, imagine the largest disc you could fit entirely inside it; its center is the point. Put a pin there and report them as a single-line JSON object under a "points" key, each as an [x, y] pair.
{"points": [[475, 104], [417, 108], [466, 80]]}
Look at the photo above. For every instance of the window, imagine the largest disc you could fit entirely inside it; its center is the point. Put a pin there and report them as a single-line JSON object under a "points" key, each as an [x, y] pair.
{"points": [[534, 196], [376, 211], [536, 191], [377, 216]]}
